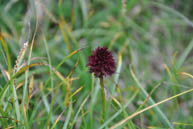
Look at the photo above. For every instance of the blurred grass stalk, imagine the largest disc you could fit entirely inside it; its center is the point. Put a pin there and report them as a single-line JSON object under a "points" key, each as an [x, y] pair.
{"points": [[103, 99], [5, 47], [119, 111], [25, 92], [161, 115], [150, 107]]}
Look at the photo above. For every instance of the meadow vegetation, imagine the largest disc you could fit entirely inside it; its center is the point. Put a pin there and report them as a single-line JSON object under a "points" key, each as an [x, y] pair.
{"points": [[44, 50]]}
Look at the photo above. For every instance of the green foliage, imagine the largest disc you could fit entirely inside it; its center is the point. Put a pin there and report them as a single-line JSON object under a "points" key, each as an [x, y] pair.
{"points": [[49, 86]]}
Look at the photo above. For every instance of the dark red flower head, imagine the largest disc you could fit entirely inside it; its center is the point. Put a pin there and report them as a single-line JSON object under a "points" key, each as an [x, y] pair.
{"points": [[101, 62]]}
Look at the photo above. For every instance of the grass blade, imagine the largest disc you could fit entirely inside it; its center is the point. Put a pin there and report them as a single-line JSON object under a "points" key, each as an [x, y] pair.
{"points": [[59, 117], [119, 112], [80, 108], [13, 77], [174, 12], [68, 116], [5, 47], [150, 107], [162, 117], [184, 55]]}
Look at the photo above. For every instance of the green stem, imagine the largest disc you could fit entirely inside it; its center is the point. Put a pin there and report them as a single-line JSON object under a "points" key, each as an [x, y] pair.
{"points": [[103, 99]]}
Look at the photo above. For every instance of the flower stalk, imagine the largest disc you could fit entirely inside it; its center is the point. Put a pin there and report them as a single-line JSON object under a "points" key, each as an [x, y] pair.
{"points": [[102, 64], [103, 99]]}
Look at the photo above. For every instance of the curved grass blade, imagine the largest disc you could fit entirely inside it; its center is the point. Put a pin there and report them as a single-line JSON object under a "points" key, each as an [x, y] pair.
{"points": [[77, 113], [150, 107], [49, 61], [51, 109], [119, 112], [184, 55], [182, 124], [94, 95], [25, 93], [68, 56], [64, 60], [59, 117], [174, 12], [162, 117], [68, 116], [17, 74], [186, 74], [5, 47]]}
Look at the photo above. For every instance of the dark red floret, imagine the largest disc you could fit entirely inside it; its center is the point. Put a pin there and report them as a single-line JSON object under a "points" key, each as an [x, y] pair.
{"points": [[101, 62]]}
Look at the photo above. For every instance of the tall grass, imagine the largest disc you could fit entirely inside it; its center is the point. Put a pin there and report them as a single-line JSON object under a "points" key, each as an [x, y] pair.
{"points": [[45, 84]]}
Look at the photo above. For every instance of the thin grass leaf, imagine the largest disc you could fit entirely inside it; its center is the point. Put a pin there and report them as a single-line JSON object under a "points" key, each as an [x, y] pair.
{"points": [[84, 8], [182, 124], [174, 12], [66, 39], [116, 78], [116, 36], [162, 116], [72, 18], [55, 123], [68, 30], [45, 101], [168, 70], [94, 95], [73, 69], [118, 112], [47, 12], [63, 61], [2, 119], [186, 74], [10, 127], [68, 116], [116, 101], [49, 61], [150, 94], [5, 47], [150, 107], [78, 90], [184, 55], [176, 84], [67, 95], [34, 113], [125, 114], [5, 73], [16, 75], [78, 112], [68, 56], [50, 110], [31, 85], [25, 93], [16, 103]]}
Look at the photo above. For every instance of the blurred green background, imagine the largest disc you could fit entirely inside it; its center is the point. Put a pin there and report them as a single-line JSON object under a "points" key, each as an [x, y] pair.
{"points": [[152, 37]]}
